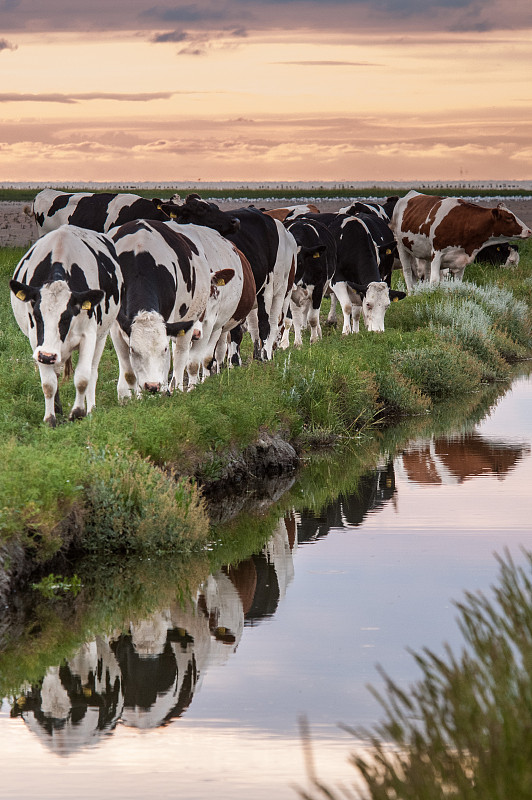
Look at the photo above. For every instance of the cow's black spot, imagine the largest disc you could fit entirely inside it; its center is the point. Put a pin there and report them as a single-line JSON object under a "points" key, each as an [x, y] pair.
{"points": [[183, 310], [60, 202], [91, 212]]}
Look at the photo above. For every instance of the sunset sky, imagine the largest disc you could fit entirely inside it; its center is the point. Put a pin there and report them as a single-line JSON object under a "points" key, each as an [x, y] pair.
{"points": [[272, 90]]}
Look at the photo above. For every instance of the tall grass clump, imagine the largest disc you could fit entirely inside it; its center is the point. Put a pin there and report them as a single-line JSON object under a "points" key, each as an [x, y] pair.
{"points": [[440, 371], [131, 506], [463, 731]]}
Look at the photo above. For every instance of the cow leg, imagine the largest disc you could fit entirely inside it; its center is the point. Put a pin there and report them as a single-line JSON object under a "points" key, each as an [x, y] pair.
{"points": [[90, 397], [181, 347], [313, 313], [332, 319], [233, 352], [49, 383], [408, 263], [127, 382], [298, 318], [266, 320], [285, 339], [82, 375], [221, 349], [278, 309], [435, 266], [342, 295], [253, 328]]}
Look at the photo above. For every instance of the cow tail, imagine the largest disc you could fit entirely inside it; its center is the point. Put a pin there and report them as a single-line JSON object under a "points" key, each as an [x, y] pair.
{"points": [[68, 370]]}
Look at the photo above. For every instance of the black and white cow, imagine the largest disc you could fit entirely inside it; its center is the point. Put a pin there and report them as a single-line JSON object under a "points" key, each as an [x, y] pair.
{"points": [[98, 212], [65, 295], [383, 211], [504, 254], [232, 295], [316, 263], [271, 251], [166, 288], [357, 282]]}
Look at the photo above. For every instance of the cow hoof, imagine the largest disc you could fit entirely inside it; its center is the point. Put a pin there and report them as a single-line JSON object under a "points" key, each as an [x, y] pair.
{"points": [[77, 413], [51, 422]]}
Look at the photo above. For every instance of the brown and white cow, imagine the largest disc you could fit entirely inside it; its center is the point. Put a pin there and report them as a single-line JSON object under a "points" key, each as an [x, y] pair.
{"points": [[435, 233]]}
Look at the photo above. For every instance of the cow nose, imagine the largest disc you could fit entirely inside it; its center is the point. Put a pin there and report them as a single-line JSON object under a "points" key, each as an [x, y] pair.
{"points": [[152, 387], [235, 222], [46, 358]]}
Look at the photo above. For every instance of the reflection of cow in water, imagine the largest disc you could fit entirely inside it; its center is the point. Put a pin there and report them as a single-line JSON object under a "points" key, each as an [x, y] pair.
{"points": [[374, 490], [147, 676], [454, 459]]}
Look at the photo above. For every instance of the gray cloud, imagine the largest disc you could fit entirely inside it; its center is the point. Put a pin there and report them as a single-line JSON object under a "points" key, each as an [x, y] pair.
{"points": [[185, 13], [328, 63], [170, 36], [5, 45], [56, 97], [234, 17]]}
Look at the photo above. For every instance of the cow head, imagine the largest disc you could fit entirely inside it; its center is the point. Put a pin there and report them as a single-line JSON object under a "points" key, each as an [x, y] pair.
{"points": [[54, 310], [507, 225], [200, 212], [149, 352], [376, 297], [310, 264]]}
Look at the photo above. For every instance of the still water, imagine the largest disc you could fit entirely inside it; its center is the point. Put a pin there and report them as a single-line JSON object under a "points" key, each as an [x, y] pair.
{"points": [[203, 701]]}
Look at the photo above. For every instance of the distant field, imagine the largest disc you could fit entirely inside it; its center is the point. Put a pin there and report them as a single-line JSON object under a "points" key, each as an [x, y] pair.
{"points": [[27, 195]]}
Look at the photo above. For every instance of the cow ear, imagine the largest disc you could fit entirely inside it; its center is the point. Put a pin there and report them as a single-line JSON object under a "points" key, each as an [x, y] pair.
{"points": [[171, 210], [222, 277], [86, 301], [23, 291], [359, 288], [178, 328], [395, 295]]}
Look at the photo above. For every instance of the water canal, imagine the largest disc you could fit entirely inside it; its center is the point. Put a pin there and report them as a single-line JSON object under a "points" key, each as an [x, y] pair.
{"points": [[203, 700]]}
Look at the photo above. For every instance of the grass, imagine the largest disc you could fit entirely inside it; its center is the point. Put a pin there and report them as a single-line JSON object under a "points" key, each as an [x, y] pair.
{"points": [[289, 193], [440, 344], [463, 730]]}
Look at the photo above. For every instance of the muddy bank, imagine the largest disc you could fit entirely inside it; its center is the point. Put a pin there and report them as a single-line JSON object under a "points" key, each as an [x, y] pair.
{"points": [[249, 480]]}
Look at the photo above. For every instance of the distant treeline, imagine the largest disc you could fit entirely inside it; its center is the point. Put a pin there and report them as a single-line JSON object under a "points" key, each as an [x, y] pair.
{"points": [[27, 195]]}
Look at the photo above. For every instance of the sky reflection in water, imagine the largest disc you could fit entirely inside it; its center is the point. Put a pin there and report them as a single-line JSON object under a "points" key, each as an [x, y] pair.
{"points": [[205, 703]]}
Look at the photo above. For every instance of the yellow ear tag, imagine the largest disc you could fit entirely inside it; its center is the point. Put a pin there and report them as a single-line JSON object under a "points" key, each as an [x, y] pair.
{"points": [[173, 216], [395, 300], [316, 255], [498, 249], [220, 282], [159, 208], [20, 294], [388, 252], [181, 333], [86, 306]]}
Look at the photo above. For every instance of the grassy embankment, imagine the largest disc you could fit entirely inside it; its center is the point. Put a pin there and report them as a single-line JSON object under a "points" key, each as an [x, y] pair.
{"points": [[106, 470], [293, 195]]}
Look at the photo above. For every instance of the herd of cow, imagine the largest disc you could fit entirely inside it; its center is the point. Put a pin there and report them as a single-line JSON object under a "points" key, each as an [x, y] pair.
{"points": [[157, 272]]}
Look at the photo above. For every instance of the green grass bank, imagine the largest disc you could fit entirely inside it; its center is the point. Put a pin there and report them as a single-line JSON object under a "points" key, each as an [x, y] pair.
{"points": [[125, 479], [288, 193]]}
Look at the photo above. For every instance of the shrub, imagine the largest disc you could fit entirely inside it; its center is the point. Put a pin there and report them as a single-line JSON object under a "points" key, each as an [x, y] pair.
{"points": [[133, 506], [440, 371]]}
